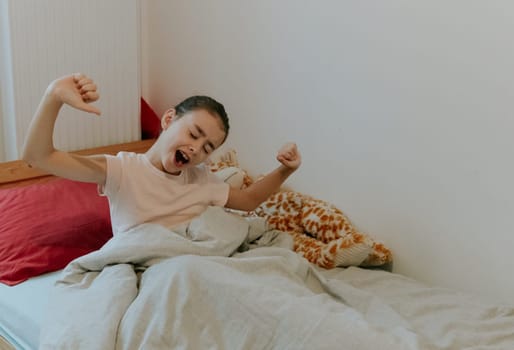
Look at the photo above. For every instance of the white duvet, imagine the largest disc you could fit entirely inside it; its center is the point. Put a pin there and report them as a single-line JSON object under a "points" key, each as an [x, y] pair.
{"points": [[156, 289]]}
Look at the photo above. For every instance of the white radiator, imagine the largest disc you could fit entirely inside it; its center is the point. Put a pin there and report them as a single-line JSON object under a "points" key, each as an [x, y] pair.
{"points": [[42, 40]]}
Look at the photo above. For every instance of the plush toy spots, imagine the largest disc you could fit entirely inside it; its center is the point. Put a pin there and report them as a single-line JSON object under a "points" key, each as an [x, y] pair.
{"points": [[349, 250], [321, 219], [321, 232]]}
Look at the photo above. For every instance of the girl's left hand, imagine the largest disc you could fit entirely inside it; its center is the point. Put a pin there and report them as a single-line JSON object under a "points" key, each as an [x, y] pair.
{"points": [[289, 156]]}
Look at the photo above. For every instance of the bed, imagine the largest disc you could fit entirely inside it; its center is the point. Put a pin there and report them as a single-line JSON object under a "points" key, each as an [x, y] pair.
{"points": [[227, 282]]}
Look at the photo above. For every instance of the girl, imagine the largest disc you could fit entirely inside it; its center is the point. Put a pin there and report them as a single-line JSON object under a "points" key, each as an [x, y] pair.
{"points": [[167, 185]]}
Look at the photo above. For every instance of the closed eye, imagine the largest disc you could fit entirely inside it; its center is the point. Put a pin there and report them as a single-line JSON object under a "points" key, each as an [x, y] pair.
{"points": [[208, 149], [193, 136]]}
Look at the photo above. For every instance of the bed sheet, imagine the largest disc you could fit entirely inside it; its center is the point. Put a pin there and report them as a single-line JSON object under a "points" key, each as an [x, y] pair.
{"points": [[440, 318], [21, 310]]}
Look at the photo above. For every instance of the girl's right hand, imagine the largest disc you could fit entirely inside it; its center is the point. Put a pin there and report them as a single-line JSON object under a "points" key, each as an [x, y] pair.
{"points": [[77, 91]]}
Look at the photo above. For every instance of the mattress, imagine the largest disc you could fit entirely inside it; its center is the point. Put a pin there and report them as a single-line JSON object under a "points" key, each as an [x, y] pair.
{"points": [[21, 310]]}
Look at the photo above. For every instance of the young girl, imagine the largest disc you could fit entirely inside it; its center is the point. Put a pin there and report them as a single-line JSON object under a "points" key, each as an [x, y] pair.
{"points": [[168, 184]]}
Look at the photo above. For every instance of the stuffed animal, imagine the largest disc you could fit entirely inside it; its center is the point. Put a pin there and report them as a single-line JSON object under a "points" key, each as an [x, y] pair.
{"points": [[321, 232], [227, 168]]}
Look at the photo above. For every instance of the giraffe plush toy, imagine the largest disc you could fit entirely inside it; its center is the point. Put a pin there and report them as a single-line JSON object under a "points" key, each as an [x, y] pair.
{"points": [[227, 168], [321, 232]]}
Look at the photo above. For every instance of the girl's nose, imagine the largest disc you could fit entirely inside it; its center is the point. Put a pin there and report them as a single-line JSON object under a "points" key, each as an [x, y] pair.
{"points": [[196, 146]]}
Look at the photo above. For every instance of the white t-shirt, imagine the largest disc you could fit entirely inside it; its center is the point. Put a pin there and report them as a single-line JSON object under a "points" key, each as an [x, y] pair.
{"points": [[140, 193]]}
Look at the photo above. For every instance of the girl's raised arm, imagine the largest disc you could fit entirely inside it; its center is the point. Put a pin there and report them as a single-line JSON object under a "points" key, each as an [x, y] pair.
{"points": [[249, 198], [78, 91]]}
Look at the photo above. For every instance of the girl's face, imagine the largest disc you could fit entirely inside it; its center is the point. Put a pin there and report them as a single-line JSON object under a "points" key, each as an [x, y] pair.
{"points": [[188, 140]]}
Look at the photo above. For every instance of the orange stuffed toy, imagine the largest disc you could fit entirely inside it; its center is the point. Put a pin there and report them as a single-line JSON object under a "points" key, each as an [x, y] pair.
{"points": [[321, 232]]}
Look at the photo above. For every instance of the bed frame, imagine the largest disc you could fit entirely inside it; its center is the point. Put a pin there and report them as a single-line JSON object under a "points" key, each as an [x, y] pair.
{"points": [[18, 173]]}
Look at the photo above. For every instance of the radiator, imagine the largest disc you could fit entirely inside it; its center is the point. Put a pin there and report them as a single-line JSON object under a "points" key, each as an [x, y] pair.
{"points": [[43, 40]]}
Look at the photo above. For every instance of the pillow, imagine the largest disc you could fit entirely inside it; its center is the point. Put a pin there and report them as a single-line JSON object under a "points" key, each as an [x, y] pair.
{"points": [[150, 122], [45, 226]]}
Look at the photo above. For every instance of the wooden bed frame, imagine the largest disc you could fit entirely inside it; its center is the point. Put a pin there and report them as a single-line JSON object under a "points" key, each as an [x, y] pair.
{"points": [[18, 173]]}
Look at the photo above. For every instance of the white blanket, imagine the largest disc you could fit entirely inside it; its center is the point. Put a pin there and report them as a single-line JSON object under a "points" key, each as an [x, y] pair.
{"points": [[156, 289]]}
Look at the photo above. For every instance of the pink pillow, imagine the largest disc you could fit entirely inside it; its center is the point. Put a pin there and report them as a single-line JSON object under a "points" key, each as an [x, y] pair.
{"points": [[150, 122], [45, 226]]}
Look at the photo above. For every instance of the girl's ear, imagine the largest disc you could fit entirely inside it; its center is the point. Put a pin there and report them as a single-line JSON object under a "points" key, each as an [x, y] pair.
{"points": [[167, 118]]}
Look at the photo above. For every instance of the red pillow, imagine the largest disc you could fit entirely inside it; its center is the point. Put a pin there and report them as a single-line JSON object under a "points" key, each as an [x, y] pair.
{"points": [[150, 122], [45, 226]]}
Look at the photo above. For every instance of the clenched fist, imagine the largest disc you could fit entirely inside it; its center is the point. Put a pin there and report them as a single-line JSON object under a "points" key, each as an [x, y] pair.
{"points": [[289, 156]]}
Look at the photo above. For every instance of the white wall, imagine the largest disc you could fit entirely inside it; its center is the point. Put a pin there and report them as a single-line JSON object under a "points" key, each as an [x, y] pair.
{"points": [[2, 153], [403, 112], [6, 138]]}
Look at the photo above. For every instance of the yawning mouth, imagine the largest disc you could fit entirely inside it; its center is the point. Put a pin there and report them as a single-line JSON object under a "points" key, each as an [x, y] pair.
{"points": [[181, 158]]}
